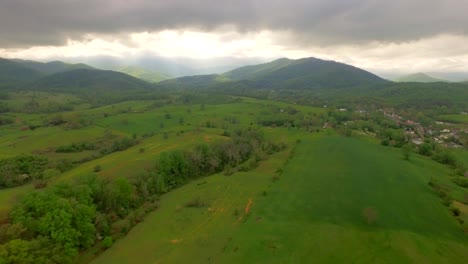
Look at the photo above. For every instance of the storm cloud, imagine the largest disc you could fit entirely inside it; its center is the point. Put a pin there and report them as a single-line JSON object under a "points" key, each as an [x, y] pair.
{"points": [[26, 23]]}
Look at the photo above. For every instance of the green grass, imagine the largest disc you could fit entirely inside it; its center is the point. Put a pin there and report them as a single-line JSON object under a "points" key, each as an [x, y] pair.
{"points": [[44, 139], [459, 119], [313, 213]]}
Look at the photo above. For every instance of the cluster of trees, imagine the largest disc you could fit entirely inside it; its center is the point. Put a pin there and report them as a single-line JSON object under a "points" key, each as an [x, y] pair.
{"points": [[277, 122], [120, 145], [53, 225], [21, 169], [75, 147], [431, 149], [173, 169]]}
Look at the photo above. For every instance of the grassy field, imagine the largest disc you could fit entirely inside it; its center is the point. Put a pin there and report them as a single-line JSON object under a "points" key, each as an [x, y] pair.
{"points": [[312, 213], [165, 128], [459, 119]]}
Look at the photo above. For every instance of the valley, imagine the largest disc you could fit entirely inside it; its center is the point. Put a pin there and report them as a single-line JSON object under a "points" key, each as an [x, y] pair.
{"points": [[282, 162]]}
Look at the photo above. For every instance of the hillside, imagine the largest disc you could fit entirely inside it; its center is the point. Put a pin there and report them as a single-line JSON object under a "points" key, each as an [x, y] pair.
{"points": [[419, 77], [307, 73], [52, 67], [254, 71], [301, 74], [86, 79], [144, 74], [14, 74], [314, 210]]}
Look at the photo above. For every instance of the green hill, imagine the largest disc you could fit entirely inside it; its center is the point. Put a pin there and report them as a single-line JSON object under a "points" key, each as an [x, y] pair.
{"points": [[307, 73], [86, 79], [303, 74], [419, 77], [254, 71], [13, 74], [52, 67], [144, 74]]}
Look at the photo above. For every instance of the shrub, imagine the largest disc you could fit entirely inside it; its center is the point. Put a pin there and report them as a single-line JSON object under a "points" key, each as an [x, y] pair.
{"points": [[107, 242], [97, 168], [445, 157], [455, 211], [461, 181], [196, 203]]}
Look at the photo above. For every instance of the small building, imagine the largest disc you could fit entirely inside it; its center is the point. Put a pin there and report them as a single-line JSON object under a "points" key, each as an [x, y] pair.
{"points": [[417, 141]]}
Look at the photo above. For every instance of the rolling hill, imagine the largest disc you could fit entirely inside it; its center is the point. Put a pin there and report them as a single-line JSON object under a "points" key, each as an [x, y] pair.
{"points": [[419, 77], [52, 67], [14, 74], [307, 73], [144, 74], [302, 74], [86, 79]]}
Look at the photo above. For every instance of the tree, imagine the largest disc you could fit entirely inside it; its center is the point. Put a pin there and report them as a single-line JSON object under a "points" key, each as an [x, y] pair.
{"points": [[425, 149], [63, 218], [21, 251], [406, 151]]}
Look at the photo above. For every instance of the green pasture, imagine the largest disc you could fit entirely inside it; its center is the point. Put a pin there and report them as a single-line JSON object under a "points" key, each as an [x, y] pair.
{"points": [[459, 119], [312, 214]]}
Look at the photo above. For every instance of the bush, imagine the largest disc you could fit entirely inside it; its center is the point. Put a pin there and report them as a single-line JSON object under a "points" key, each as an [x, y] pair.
{"points": [[425, 149], [385, 142], [107, 242], [97, 168], [447, 201], [445, 157], [75, 147], [196, 203], [455, 211], [461, 181]]}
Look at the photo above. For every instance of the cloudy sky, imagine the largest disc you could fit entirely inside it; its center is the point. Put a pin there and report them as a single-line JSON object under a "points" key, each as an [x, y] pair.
{"points": [[378, 35]]}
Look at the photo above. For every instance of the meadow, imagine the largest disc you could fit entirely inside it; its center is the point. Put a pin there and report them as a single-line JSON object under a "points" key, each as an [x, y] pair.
{"points": [[157, 129], [304, 205], [459, 119]]}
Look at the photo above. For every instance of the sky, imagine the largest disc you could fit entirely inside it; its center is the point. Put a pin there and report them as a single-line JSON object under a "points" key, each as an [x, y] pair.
{"points": [[378, 35]]}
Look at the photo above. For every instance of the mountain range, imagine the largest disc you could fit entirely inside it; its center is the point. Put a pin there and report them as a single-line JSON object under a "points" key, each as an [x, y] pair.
{"points": [[307, 73], [280, 74], [419, 77]]}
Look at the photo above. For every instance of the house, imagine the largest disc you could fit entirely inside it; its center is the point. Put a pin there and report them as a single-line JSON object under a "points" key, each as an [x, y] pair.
{"points": [[417, 141]]}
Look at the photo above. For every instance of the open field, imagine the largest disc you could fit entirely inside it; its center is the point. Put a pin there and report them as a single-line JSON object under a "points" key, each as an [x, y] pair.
{"points": [[157, 129], [459, 119], [313, 212]]}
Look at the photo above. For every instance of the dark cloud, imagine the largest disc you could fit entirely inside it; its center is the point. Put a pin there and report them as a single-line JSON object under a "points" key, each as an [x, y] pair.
{"points": [[51, 22]]}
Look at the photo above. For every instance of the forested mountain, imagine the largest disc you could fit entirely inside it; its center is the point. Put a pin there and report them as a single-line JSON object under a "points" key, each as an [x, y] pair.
{"points": [[14, 74], [307, 73], [86, 79], [419, 77], [52, 67], [303, 74]]}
